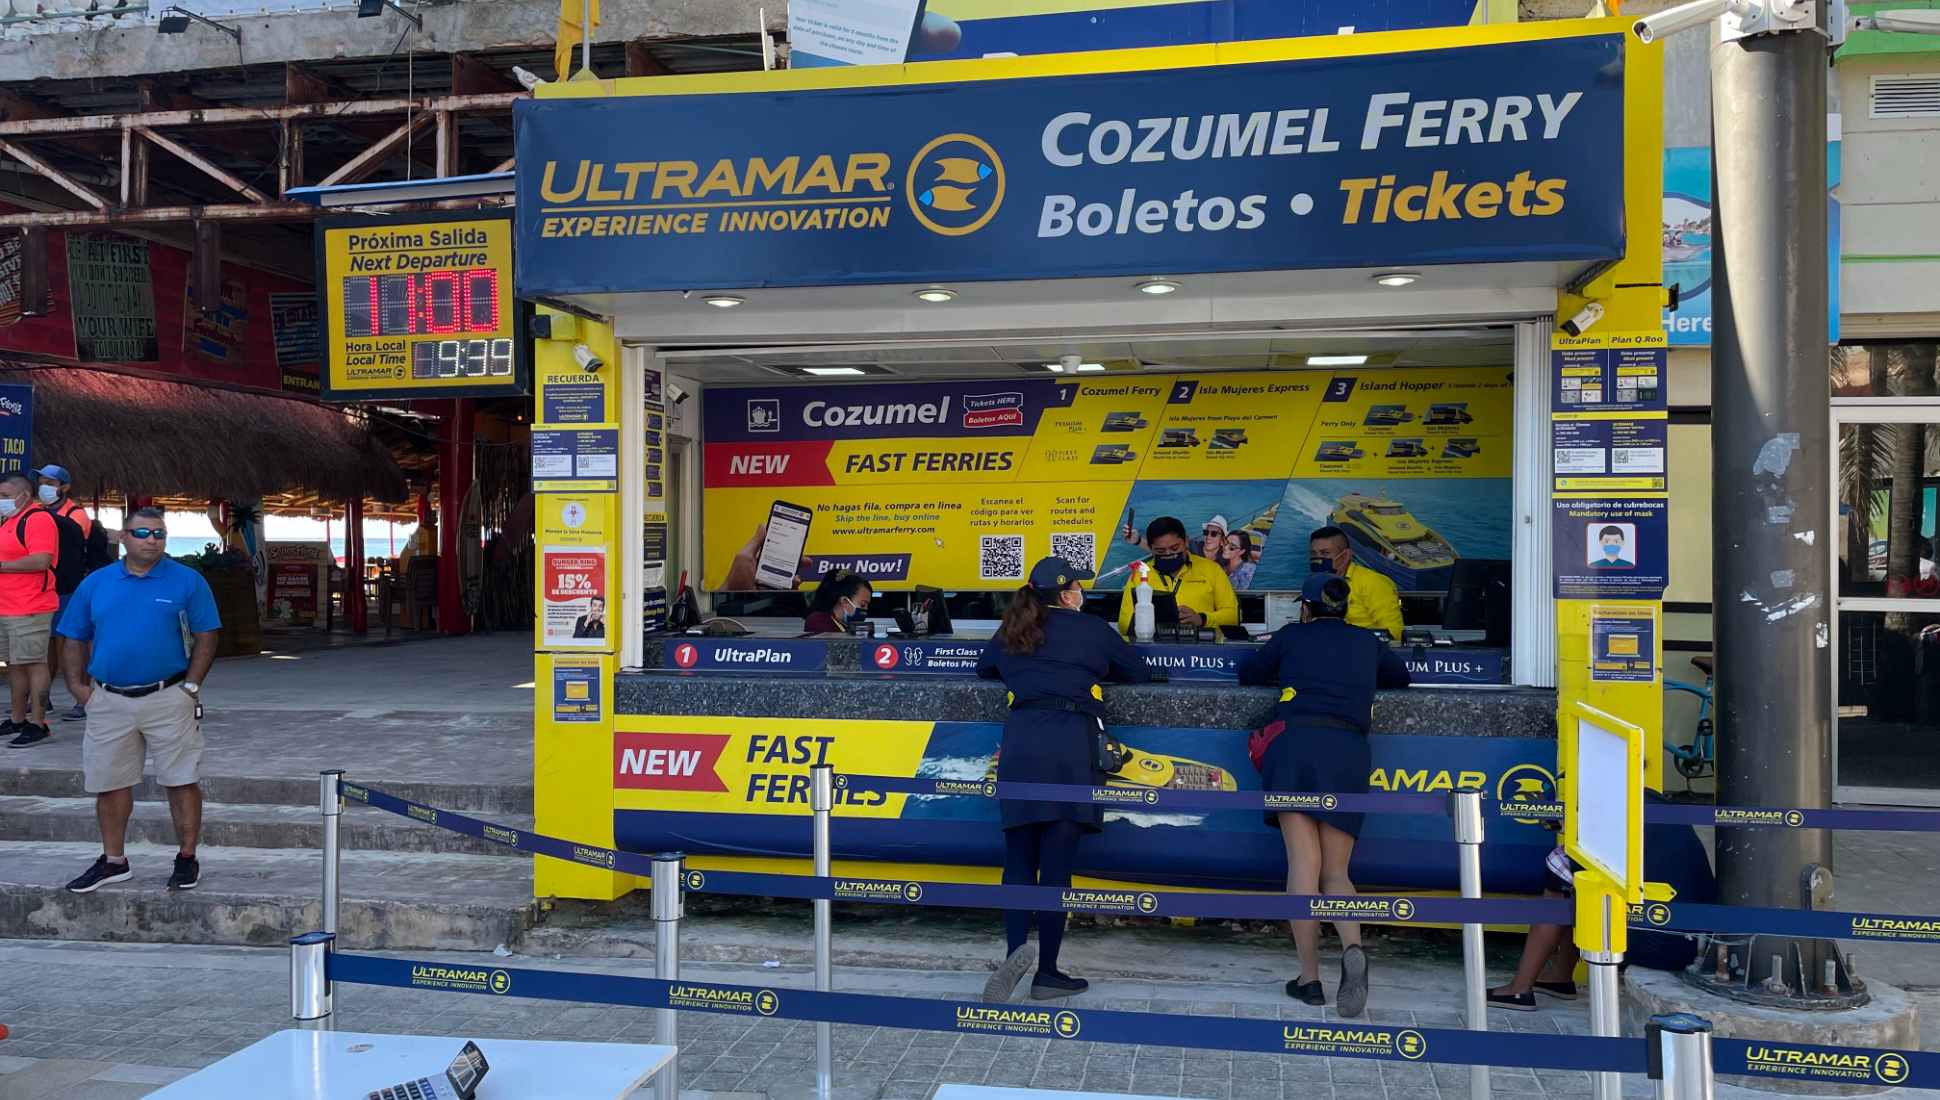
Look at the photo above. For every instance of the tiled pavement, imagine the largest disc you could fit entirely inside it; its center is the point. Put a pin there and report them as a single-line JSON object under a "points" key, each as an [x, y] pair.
{"points": [[102, 1022]]}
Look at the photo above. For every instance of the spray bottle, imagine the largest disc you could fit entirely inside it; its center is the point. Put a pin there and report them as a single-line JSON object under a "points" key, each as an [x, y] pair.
{"points": [[1142, 619]]}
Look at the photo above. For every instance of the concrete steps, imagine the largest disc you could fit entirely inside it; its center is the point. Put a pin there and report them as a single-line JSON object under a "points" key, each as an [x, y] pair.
{"points": [[261, 896], [244, 825], [488, 799]]}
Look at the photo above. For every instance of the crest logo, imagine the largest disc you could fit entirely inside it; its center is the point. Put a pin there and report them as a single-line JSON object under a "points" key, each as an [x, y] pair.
{"points": [[955, 185], [501, 981], [1067, 1025]]}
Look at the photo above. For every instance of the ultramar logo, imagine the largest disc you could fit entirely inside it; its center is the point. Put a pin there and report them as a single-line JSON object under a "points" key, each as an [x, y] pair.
{"points": [[866, 889], [463, 979], [1377, 1042], [1301, 801], [1727, 815], [984, 787], [1110, 901], [1019, 1021], [1896, 928], [355, 793], [1825, 1065], [425, 814], [592, 857], [1125, 796], [1359, 909], [500, 835], [714, 998]]}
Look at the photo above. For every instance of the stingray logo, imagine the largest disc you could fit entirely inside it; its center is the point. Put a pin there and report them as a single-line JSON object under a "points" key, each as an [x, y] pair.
{"points": [[1529, 785], [955, 185]]}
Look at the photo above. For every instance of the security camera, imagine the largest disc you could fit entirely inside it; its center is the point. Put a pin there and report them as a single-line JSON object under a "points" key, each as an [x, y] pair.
{"points": [[1685, 16], [1904, 21], [677, 392], [587, 361], [1585, 319]]}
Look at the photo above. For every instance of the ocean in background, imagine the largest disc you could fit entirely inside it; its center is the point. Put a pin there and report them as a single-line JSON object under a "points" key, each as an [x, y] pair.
{"points": [[1472, 513], [1193, 503]]}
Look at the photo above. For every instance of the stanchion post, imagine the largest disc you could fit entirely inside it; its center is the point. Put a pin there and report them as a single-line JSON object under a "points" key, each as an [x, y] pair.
{"points": [[1606, 1017], [330, 801], [668, 907], [821, 800], [1679, 1050], [1465, 811], [310, 992]]}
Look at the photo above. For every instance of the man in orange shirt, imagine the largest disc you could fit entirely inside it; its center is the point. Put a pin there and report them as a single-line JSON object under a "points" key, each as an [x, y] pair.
{"points": [[56, 495], [29, 545]]}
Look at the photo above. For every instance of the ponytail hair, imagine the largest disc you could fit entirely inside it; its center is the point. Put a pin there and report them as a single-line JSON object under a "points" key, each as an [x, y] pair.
{"points": [[1022, 630]]}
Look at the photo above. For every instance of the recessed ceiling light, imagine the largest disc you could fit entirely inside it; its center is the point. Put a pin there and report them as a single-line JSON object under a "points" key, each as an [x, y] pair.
{"points": [[1336, 360], [936, 294], [723, 301], [1088, 368], [1156, 286], [1398, 278], [835, 372]]}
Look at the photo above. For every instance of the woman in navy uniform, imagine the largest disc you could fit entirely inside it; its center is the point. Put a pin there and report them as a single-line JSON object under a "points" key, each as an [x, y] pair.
{"points": [[1328, 672], [1053, 658]]}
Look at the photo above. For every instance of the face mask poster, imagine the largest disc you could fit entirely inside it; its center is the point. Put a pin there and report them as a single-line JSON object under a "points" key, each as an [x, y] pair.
{"points": [[963, 485]]}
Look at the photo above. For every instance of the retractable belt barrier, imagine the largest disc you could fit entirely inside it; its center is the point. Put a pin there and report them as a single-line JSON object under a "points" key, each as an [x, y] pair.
{"points": [[1328, 1038], [1385, 802], [1765, 1058], [1661, 916]]}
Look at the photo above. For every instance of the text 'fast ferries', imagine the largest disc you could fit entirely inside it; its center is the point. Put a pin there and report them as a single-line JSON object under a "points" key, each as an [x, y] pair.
{"points": [[1463, 155]]}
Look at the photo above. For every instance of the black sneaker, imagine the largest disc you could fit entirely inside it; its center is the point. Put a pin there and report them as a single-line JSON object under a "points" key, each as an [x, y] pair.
{"points": [[99, 875], [1308, 993], [188, 872], [1048, 987], [30, 734], [1003, 983], [1351, 1000]]}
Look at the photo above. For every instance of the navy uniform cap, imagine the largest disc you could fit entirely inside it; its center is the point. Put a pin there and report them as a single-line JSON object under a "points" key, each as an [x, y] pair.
{"points": [[1325, 591], [1057, 574]]}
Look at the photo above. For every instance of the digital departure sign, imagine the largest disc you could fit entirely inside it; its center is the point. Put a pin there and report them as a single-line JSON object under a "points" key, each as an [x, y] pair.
{"points": [[420, 307]]}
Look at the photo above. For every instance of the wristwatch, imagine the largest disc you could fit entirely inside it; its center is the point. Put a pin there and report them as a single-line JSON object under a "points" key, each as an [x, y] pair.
{"points": [[194, 689]]}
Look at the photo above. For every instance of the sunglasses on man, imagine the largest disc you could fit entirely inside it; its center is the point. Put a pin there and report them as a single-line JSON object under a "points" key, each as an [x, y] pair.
{"points": [[148, 532]]}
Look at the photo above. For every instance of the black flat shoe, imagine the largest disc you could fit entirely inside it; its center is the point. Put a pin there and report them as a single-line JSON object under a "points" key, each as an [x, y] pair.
{"points": [[1514, 1002], [1049, 987], [1562, 991], [1309, 993]]}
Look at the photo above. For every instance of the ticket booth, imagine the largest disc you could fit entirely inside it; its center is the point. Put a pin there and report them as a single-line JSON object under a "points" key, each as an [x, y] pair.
{"points": [[925, 324]]}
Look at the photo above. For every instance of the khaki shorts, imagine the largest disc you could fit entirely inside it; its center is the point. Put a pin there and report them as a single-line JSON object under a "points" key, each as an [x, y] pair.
{"points": [[122, 732], [23, 638]]}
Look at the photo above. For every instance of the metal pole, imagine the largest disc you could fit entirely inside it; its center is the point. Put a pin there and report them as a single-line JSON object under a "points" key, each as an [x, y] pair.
{"points": [[1771, 449], [330, 801], [310, 992], [668, 907], [585, 36], [1465, 810], [1680, 1056], [821, 801]]}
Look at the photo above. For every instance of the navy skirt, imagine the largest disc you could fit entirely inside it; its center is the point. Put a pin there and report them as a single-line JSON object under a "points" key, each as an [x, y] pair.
{"points": [[1328, 759], [1049, 746]]}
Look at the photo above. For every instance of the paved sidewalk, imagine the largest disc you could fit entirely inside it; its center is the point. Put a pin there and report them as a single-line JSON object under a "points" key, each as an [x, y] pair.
{"points": [[103, 1022]]}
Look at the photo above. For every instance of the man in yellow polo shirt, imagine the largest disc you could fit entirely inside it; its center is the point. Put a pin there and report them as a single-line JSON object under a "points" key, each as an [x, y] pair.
{"points": [[1205, 595], [1372, 601]]}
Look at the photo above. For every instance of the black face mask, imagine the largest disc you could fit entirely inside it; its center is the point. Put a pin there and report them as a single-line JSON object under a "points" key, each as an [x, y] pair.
{"points": [[1168, 564], [1320, 565], [858, 616]]}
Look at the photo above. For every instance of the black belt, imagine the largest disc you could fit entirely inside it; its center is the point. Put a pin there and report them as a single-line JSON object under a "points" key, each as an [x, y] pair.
{"points": [[144, 689]]}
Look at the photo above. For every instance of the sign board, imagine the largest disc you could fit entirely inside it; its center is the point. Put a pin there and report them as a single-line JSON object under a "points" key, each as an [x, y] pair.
{"points": [[16, 428], [420, 307], [1462, 155], [1603, 821]]}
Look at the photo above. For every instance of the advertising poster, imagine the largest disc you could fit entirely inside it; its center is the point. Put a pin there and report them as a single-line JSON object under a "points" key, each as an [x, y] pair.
{"points": [[1687, 240], [1623, 643], [965, 484], [576, 689], [296, 330], [574, 578], [738, 787], [112, 298], [1611, 548], [16, 427], [296, 578], [217, 335]]}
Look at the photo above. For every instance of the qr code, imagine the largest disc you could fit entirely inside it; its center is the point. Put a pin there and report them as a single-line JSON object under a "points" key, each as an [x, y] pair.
{"points": [[1080, 548], [1000, 557]]}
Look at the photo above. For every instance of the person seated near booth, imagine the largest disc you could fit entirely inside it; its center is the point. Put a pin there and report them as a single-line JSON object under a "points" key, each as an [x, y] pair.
{"points": [[1374, 603], [1327, 671], [1199, 584], [840, 602]]}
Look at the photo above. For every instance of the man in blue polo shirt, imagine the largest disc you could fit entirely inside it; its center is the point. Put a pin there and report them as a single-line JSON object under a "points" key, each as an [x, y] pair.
{"points": [[142, 692]]}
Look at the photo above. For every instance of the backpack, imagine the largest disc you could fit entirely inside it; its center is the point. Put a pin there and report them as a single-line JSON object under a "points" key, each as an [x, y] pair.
{"points": [[99, 552], [70, 566]]}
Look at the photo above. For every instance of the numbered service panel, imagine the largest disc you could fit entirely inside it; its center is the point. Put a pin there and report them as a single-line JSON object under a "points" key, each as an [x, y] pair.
{"points": [[420, 307]]}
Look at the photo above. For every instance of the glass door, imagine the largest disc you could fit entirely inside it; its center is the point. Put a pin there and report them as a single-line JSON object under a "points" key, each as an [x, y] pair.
{"points": [[1886, 653]]}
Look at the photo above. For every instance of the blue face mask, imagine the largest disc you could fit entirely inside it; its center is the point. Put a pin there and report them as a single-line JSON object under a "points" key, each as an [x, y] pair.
{"points": [[8, 506], [1612, 550]]}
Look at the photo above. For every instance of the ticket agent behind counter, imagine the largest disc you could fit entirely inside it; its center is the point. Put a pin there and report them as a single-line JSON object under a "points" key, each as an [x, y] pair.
{"points": [[1204, 595]]}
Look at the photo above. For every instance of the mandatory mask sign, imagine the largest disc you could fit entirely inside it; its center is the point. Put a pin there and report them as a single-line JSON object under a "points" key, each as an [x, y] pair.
{"points": [[1325, 162], [964, 484]]}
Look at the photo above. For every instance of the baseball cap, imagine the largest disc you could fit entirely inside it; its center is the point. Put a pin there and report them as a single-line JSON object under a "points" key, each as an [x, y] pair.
{"points": [[58, 473], [1325, 591], [1056, 574]]}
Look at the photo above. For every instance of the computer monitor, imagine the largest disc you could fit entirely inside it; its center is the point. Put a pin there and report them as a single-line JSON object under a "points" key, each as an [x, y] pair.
{"points": [[929, 612], [1478, 599]]}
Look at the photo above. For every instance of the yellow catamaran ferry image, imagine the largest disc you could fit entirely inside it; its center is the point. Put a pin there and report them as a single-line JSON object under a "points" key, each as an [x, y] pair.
{"points": [[1388, 416], [1123, 422], [1153, 769], [1447, 414], [1178, 437], [1338, 450], [1387, 537], [1407, 448]]}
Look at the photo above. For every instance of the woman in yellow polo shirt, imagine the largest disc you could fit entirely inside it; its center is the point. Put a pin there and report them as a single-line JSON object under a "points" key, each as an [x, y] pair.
{"points": [[1205, 595]]}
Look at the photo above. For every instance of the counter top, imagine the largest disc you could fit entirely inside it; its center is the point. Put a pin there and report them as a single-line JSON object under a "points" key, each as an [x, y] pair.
{"points": [[1472, 712]]}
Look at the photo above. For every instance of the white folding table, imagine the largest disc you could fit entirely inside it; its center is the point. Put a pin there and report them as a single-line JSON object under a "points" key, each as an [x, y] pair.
{"points": [[347, 1065]]}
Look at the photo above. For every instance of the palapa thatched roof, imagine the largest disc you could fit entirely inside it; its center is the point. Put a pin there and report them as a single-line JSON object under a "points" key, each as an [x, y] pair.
{"points": [[120, 433]]}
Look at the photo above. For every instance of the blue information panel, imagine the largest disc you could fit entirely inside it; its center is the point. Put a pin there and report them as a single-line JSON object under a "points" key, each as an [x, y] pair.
{"points": [[1610, 548], [745, 655], [936, 658], [16, 428], [1475, 154]]}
